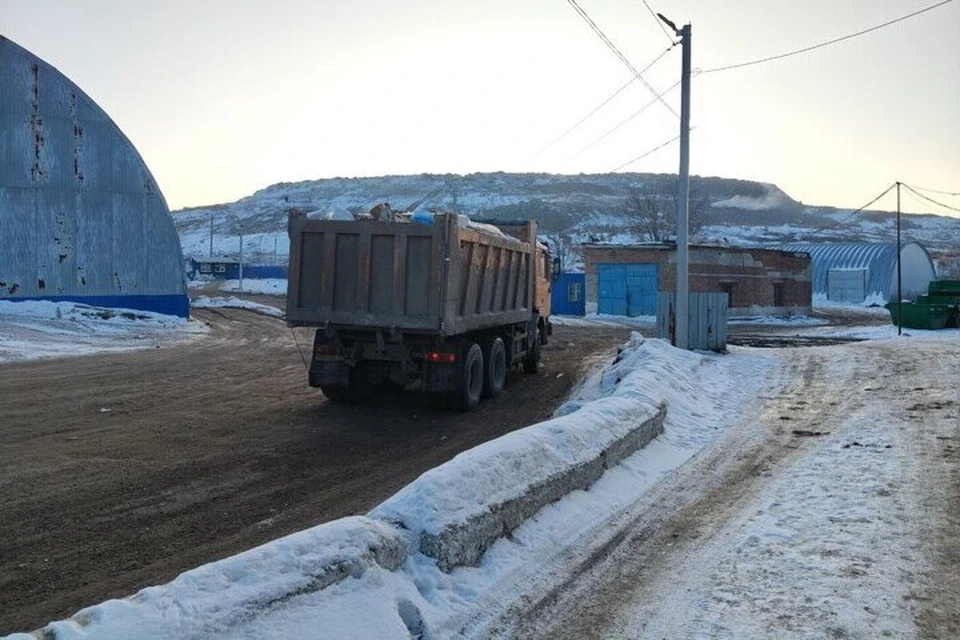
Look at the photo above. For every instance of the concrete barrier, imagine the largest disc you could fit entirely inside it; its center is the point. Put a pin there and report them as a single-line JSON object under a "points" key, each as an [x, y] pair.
{"points": [[461, 541]]}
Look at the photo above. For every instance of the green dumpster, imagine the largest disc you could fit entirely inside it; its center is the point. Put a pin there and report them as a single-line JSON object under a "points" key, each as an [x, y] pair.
{"points": [[948, 287], [914, 315]]}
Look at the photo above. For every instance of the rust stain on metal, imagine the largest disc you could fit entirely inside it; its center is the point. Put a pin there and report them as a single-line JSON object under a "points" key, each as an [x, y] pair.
{"points": [[36, 125], [77, 140]]}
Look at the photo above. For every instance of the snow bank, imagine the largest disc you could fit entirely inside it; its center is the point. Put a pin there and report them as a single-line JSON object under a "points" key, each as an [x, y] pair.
{"points": [[266, 286], [211, 598], [232, 302], [37, 329], [459, 509]]}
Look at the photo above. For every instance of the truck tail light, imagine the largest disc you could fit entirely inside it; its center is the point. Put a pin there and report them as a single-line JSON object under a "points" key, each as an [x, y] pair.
{"points": [[325, 348], [439, 357]]}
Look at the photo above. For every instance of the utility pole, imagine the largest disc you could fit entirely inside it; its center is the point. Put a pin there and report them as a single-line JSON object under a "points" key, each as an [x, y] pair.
{"points": [[681, 337], [240, 223], [899, 271], [683, 197], [211, 233]]}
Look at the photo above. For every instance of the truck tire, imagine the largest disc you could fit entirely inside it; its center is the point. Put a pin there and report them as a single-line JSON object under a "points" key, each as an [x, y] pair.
{"points": [[334, 392], [352, 392], [469, 379], [494, 367], [531, 361]]}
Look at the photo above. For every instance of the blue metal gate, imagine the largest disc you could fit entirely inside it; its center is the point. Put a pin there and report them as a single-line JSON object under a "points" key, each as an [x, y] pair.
{"points": [[627, 289]]}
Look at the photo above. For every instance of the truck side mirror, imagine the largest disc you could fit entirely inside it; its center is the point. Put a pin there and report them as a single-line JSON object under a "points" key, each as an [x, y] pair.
{"points": [[556, 266]]}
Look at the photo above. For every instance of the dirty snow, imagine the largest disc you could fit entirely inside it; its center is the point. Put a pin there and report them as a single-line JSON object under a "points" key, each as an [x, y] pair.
{"points": [[233, 302], [265, 286], [32, 330]]}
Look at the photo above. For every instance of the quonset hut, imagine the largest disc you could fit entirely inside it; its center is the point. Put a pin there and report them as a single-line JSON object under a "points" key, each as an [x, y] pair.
{"points": [[866, 272], [81, 217]]}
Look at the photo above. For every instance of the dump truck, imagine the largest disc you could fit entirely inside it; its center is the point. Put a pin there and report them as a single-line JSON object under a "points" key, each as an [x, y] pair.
{"points": [[436, 303]]}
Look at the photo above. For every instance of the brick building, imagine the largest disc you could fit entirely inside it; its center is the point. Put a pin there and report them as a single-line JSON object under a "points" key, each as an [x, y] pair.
{"points": [[625, 279]]}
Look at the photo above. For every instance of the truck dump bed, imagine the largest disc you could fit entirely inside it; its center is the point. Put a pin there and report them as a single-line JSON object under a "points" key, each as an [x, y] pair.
{"points": [[443, 278]]}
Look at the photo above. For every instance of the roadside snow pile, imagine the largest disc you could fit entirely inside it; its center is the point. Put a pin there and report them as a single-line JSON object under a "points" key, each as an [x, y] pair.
{"points": [[232, 302], [265, 286], [36, 329], [212, 597], [272, 591], [513, 477], [779, 321], [593, 319]]}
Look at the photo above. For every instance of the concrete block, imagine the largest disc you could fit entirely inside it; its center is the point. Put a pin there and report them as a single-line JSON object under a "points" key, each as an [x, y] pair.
{"points": [[464, 543]]}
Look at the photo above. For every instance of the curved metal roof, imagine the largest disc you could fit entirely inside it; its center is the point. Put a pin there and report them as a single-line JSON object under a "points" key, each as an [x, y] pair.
{"points": [[879, 259], [82, 216]]}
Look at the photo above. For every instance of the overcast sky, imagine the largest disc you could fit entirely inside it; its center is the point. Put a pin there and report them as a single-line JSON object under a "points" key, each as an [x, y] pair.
{"points": [[224, 97]]}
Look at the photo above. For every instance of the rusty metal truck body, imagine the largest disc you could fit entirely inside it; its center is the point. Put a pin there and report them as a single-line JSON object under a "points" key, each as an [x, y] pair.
{"points": [[444, 306]]}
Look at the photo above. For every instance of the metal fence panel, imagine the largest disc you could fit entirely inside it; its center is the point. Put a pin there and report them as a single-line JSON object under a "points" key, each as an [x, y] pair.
{"points": [[707, 320]]}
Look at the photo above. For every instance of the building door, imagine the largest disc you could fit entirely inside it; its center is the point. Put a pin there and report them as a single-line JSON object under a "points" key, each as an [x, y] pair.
{"points": [[847, 285], [627, 289]]}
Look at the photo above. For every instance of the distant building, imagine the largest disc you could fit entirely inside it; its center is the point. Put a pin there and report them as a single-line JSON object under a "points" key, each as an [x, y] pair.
{"points": [[626, 279], [568, 294], [81, 217], [229, 269], [858, 272]]}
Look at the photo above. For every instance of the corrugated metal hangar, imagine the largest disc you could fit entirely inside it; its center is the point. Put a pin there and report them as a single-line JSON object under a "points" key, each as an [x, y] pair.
{"points": [[858, 272], [81, 217]]}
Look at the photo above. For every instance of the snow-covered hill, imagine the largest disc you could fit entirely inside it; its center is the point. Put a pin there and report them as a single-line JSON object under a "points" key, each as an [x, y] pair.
{"points": [[569, 208]]}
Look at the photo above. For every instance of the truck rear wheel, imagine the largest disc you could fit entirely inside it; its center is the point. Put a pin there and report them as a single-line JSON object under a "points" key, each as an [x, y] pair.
{"points": [[352, 392], [334, 392], [469, 379], [531, 361], [495, 367]]}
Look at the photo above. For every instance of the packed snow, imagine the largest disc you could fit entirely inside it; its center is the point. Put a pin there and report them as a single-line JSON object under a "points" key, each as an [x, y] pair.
{"points": [[31, 330], [233, 302], [263, 286]]}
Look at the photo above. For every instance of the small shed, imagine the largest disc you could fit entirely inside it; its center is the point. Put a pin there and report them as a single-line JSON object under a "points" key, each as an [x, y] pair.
{"points": [[229, 269], [627, 279], [567, 297], [866, 272]]}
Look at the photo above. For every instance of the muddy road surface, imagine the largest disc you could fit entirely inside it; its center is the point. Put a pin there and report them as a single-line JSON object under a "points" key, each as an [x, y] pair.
{"points": [[121, 471]]}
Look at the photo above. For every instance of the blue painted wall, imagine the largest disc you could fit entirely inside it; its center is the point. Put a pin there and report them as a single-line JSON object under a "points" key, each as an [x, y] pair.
{"points": [[171, 305], [568, 294]]}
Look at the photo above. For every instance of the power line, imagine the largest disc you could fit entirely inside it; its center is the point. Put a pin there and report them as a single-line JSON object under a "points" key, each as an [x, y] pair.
{"points": [[645, 154], [597, 30], [606, 101], [942, 193], [623, 122], [828, 42], [929, 199], [854, 212], [659, 22]]}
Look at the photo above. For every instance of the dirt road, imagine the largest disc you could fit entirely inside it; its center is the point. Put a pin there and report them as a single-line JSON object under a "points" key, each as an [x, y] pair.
{"points": [[121, 471], [832, 510]]}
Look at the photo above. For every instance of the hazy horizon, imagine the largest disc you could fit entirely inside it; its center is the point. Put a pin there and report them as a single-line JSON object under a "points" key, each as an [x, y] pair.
{"points": [[223, 99]]}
